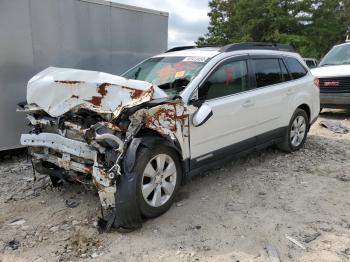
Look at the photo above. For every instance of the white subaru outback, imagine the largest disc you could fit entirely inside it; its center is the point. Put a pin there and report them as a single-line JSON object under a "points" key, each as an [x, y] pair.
{"points": [[137, 137]]}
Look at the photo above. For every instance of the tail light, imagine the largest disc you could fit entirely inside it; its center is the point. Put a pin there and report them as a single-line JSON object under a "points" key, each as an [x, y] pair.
{"points": [[317, 82]]}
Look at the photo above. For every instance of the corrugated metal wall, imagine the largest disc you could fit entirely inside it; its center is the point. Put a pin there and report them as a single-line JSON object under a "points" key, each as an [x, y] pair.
{"points": [[85, 34]]}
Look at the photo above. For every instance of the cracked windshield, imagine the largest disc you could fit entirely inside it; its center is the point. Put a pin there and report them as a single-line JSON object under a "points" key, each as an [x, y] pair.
{"points": [[172, 74]]}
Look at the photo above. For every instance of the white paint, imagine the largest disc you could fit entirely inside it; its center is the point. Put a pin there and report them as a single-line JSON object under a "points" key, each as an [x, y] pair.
{"points": [[57, 98], [331, 71]]}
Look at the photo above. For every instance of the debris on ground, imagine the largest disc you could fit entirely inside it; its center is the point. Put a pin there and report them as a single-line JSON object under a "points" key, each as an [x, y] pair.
{"points": [[72, 204], [296, 242], [343, 178], [346, 251], [17, 222], [273, 253], [307, 238], [335, 127], [12, 244], [227, 214]]}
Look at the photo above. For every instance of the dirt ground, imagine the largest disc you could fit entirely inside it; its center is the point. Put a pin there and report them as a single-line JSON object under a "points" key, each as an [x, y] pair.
{"points": [[228, 214]]}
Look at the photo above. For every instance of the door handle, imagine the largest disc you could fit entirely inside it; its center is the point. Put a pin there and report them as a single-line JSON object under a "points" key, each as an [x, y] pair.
{"points": [[248, 103]]}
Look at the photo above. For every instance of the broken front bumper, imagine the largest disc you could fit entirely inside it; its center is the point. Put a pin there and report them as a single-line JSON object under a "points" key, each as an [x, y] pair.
{"points": [[72, 155]]}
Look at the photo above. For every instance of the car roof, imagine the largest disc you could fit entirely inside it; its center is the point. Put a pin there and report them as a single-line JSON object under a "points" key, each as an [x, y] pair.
{"points": [[208, 52], [213, 51], [231, 49]]}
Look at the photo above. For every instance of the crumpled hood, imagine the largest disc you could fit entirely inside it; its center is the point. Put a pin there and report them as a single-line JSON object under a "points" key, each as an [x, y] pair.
{"points": [[331, 71], [59, 90]]}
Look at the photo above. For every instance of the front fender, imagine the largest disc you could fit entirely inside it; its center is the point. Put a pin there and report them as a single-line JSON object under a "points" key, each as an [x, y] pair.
{"points": [[150, 142]]}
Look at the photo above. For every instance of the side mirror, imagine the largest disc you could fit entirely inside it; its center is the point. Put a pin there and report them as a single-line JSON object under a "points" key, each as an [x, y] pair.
{"points": [[202, 115]]}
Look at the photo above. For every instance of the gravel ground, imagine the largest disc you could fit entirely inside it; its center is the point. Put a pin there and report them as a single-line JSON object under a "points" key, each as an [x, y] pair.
{"points": [[231, 213]]}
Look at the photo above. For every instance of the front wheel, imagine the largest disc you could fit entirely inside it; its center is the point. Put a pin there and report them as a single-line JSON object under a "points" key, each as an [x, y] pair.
{"points": [[296, 132], [159, 177]]}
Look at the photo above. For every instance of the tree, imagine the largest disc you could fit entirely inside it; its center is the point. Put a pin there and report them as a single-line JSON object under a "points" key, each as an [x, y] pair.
{"points": [[329, 26], [311, 26]]}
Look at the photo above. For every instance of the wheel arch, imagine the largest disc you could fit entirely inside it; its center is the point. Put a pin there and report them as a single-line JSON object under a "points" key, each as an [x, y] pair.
{"points": [[307, 109], [127, 212], [150, 139]]}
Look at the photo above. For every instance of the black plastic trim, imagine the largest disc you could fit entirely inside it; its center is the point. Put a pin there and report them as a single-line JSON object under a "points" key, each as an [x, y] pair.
{"points": [[222, 155], [180, 48], [206, 119], [149, 142], [257, 46]]}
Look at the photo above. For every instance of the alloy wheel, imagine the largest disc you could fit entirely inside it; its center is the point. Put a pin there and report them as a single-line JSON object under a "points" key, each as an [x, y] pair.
{"points": [[159, 180], [298, 131]]}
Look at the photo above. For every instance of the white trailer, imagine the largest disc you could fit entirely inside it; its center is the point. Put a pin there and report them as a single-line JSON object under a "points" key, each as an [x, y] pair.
{"points": [[84, 34]]}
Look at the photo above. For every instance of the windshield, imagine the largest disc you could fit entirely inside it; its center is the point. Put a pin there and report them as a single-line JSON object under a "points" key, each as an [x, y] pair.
{"points": [[172, 74], [339, 55]]}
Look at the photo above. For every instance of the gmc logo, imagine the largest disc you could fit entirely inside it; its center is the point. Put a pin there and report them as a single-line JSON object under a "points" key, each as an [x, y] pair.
{"points": [[331, 84]]}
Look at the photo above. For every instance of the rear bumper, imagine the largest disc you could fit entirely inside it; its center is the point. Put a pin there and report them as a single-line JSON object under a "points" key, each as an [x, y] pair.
{"points": [[335, 100]]}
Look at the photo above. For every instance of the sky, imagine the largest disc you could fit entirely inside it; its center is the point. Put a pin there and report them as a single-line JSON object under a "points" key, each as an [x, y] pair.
{"points": [[187, 19]]}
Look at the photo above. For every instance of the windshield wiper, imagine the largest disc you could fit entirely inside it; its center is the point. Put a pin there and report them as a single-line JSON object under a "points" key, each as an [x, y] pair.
{"points": [[137, 73]]}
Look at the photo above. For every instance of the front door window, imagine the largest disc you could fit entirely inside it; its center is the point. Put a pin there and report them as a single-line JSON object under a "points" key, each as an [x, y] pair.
{"points": [[229, 79]]}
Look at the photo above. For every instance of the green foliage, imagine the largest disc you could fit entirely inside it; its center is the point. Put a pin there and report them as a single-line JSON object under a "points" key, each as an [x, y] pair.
{"points": [[311, 26]]}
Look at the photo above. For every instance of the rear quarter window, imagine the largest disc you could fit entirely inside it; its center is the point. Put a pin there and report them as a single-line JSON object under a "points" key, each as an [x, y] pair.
{"points": [[296, 69]]}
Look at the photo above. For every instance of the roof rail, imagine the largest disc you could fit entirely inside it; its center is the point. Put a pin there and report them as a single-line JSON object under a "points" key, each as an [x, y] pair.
{"points": [[180, 48], [257, 45]]}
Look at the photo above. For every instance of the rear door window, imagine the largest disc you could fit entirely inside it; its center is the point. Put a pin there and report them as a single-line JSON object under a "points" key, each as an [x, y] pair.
{"points": [[285, 74], [267, 71], [296, 69]]}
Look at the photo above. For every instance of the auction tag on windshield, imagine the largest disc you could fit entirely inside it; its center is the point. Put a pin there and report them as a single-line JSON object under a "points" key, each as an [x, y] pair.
{"points": [[179, 74], [197, 59]]}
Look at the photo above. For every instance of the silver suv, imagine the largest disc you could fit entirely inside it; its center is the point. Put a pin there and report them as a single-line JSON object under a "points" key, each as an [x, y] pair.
{"points": [[137, 137]]}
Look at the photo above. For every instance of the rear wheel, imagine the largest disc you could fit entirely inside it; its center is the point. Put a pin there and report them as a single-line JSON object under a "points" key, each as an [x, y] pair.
{"points": [[296, 132], [159, 177]]}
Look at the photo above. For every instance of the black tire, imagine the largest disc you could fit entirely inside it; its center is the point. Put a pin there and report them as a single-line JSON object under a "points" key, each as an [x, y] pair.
{"points": [[143, 157], [56, 182], [286, 145]]}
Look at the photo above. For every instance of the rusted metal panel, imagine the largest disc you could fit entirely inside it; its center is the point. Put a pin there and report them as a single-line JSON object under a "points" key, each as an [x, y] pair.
{"points": [[59, 143], [59, 90], [168, 119]]}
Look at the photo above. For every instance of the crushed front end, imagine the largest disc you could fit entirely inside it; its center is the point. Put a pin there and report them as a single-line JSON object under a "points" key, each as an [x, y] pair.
{"points": [[78, 147], [80, 130]]}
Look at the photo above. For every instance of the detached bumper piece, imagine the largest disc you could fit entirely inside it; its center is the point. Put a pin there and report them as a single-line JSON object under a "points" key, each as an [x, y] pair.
{"points": [[64, 146], [72, 155], [117, 198]]}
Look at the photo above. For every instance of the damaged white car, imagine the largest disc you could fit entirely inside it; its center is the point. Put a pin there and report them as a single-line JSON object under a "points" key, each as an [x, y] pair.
{"points": [[137, 137]]}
